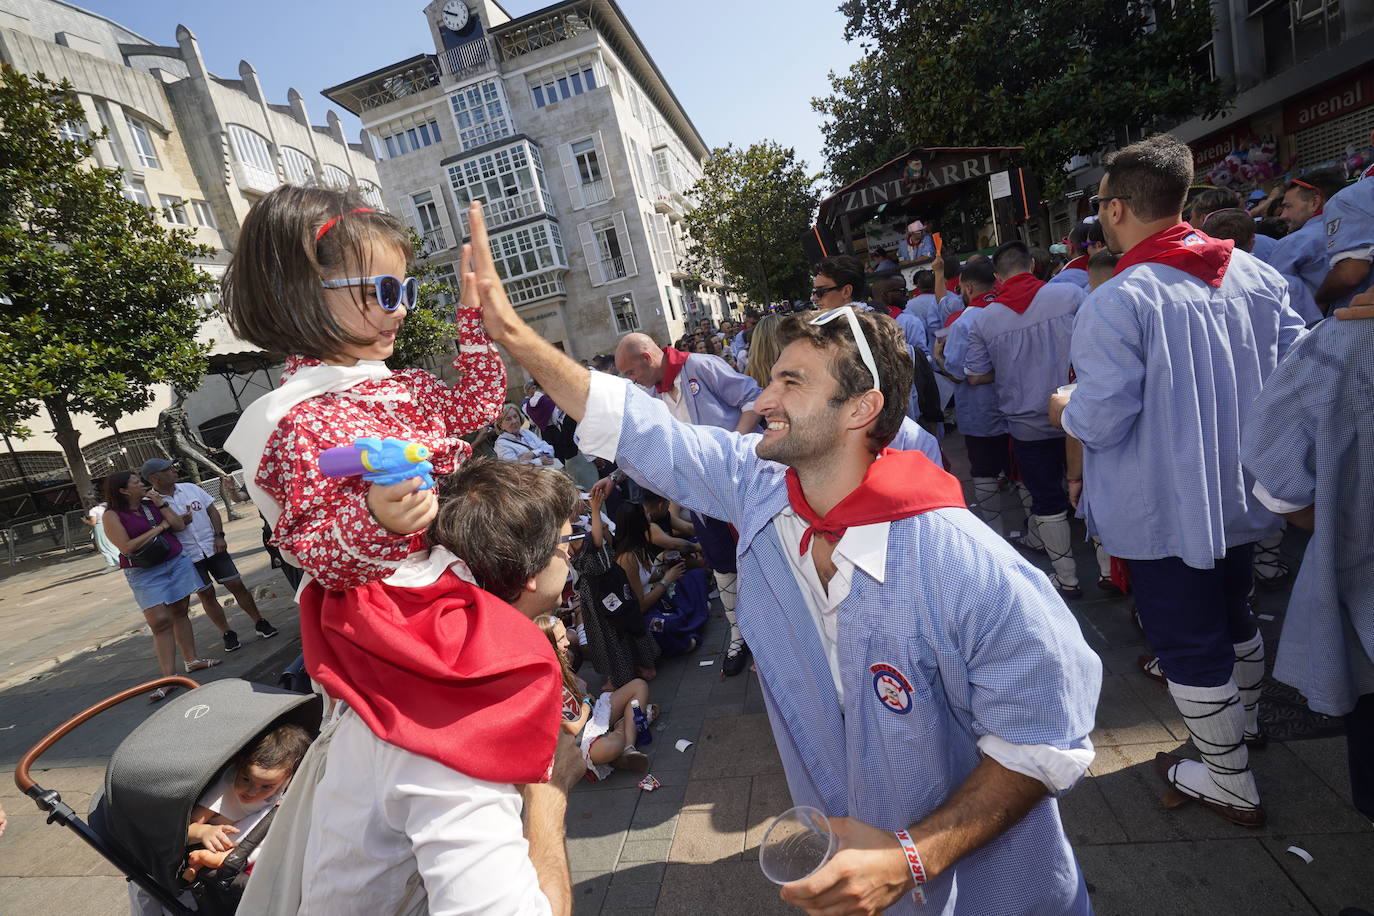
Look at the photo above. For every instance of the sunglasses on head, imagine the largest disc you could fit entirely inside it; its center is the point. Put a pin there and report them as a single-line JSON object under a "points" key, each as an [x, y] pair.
{"points": [[860, 340], [392, 292]]}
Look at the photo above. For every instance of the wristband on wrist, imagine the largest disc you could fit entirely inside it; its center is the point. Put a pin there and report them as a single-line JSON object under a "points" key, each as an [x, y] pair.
{"points": [[913, 861]]}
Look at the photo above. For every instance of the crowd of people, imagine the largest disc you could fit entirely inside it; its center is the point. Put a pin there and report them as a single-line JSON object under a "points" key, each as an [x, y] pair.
{"points": [[927, 686]]}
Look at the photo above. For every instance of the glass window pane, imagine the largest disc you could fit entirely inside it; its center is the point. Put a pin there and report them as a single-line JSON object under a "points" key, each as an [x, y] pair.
{"points": [[538, 96], [577, 83], [424, 134], [563, 86], [589, 78], [434, 130], [391, 150]]}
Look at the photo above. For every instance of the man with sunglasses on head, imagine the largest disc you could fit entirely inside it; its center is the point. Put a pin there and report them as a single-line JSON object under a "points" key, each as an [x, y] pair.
{"points": [[1301, 254], [932, 709], [1170, 355]]}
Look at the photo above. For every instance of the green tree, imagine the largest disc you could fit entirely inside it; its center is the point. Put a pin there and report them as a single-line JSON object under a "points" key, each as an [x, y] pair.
{"points": [[102, 298], [428, 329], [1059, 77], [753, 207]]}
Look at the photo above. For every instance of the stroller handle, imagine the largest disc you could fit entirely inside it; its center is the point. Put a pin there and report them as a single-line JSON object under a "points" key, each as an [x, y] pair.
{"points": [[21, 769]]}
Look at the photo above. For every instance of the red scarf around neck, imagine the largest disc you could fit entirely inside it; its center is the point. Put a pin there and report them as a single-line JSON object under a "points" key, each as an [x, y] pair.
{"points": [[673, 361], [1185, 248], [979, 301], [1018, 291], [897, 485], [952, 285], [1078, 263]]}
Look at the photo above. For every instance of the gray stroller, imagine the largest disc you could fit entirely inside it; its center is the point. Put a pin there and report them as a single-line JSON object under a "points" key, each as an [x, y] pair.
{"points": [[155, 776]]}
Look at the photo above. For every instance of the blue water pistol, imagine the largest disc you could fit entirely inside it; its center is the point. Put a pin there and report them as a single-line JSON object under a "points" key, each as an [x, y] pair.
{"points": [[383, 461]]}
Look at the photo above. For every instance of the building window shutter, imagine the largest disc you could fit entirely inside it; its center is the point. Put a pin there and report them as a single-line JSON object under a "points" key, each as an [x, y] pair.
{"points": [[627, 253], [605, 165], [570, 175], [437, 193], [591, 253]]}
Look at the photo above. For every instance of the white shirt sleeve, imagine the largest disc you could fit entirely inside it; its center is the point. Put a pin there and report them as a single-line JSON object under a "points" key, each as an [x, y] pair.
{"points": [[599, 432], [1057, 769], [1273, 503], [1365, 253]]}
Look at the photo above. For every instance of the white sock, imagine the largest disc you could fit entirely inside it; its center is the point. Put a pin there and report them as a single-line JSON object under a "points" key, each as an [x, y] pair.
{"points": [[1054, 533], [728, 583], [1032, 535], [985, 503], [1216, 719], [1104, 559], [1267, 562], [1249, 676]]}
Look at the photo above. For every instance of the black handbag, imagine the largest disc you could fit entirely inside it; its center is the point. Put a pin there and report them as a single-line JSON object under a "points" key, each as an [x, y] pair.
{"points": [[153, 553]]}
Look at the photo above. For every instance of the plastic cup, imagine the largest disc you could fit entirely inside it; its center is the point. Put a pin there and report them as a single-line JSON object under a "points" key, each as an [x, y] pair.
{"points": [[796, 845], [1066, 389]]}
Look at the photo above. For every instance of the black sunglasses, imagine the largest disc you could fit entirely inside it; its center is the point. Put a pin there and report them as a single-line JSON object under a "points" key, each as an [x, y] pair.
{"points": [[1095, 203], [818, 291]]}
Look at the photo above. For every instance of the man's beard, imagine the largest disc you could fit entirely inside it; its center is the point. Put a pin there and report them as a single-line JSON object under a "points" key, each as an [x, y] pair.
{"points": [[805, 440]]}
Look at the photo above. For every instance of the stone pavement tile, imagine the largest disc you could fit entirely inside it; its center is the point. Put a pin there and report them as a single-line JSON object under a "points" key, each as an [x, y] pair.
{"points": [[1326, 757], [1087, 816], [753, 700], [712, 824], [1294, 799], [645, 851], [1122, 718], [736, 746], [596, 826], [97, 896], [1156, 698], [722, 796], [768, 797], [589, 890], [691, 890], [1341, 873], [1189, 878], [621, 897], [639, 873], [34, 848]]}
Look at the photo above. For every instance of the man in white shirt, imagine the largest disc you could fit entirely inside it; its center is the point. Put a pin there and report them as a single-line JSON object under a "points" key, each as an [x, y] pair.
{"points": [[203, 541]]}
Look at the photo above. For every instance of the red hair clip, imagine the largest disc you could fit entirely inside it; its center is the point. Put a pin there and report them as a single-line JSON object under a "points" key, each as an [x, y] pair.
{"points": [[330, 225]]}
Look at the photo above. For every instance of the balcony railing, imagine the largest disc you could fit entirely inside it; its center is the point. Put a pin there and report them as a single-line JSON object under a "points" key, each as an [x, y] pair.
{"points": [[523, 290], [612, 269], [658, 135], [255, 178], [594, 192], [469, 57], [397, 85], [668, 202], [502, 210], [434, 240]]}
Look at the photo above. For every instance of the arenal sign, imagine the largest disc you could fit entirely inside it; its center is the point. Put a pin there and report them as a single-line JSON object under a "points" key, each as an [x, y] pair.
{"points": [[916, 174], [1334, 100]]}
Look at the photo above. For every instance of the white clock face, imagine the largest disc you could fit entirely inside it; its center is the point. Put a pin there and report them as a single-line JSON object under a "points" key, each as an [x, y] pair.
{"points": [[455, 15]]}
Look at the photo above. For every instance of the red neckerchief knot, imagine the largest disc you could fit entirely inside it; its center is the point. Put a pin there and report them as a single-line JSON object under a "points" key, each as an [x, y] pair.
{"points": [[1018, 291], [897, 485], [1186, 249], [673, 361]]}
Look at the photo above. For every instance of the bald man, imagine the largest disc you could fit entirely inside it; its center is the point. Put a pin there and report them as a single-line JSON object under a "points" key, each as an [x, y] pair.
{"points": [[702, 390]]}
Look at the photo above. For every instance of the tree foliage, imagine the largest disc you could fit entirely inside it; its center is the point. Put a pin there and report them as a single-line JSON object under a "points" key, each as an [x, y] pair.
{"points": [[102, 297], [428, 329], [753, 207], [1059, 77]]}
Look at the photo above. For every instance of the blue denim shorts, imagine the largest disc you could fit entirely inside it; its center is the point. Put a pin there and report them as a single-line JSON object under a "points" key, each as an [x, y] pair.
{"points": [[164, 583]]}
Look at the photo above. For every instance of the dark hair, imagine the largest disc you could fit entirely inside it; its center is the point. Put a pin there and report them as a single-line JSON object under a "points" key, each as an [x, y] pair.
{"points": [[952, 266], [631, 530], [278, 748], [1088, 232], [890, 355], [1041, 261], [1210, 201], [924, 281], [1011, 258], [548, 624], [1153, 175], [1236, 225], [503, 519], [117, 481], [1103, 260], [980, 274], [1272, 226], [271, 289], [845, 270], [1328, 182], [647, 497]]}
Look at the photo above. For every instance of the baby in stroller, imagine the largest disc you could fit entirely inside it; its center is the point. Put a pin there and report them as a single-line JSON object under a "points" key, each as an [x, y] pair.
{"points": [[245, 792]]}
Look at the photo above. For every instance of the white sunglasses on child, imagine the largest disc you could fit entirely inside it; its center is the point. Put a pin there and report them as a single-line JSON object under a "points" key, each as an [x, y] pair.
{"points": [[392, 292], [860, 340]]}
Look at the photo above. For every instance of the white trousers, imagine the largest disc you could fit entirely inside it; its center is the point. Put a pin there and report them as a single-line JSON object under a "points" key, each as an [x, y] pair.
{"points": [[386, 821]]}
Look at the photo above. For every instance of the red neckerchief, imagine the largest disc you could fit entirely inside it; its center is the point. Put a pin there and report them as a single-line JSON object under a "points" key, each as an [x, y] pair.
{"points": [[979, 301], [952, 285], [897, 485], [673, 361], [446, 671], [1078, 263], [1185, 248], [1018, 291]]}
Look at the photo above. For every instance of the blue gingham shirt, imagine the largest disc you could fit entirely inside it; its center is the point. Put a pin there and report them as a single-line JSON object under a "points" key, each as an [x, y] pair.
{"points": [[1264, 247], [913, 326], [714, 393], [980, 643], [1075, 275], [1028, 354], [1307, 443], [975, 406], [1301, 257], [937, 311], [1349, 221], [1168, 369], [911, 437]]}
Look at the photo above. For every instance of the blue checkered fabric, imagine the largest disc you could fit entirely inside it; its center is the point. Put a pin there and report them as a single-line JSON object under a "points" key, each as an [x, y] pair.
{"points": [[1168, 368], [1310, 441], [1349, 225], [980, 642], [975, 406], [1301, 256]]}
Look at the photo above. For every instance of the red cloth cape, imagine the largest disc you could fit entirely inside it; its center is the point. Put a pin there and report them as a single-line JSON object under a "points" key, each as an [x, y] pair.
{"points": [[1185, 248], [673, 361], [1018, 291], [446, 671], [897, 485]]}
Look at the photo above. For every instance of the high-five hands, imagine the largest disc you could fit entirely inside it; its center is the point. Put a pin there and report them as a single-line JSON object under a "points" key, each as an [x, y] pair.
{"points": [[498, 315]]}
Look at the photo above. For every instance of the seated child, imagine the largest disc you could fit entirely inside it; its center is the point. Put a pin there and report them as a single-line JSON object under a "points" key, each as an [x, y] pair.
{"points": [[605, 730], [246, 791]]}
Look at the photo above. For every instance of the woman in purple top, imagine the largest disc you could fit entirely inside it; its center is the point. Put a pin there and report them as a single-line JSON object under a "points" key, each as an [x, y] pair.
{"points": [[136, 517]]}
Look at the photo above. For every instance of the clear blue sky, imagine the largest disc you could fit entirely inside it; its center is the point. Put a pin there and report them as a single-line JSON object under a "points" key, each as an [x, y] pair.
{"points": [[744, 69]]}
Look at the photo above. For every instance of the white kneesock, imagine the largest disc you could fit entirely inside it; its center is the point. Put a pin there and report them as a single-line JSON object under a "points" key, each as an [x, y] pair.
{"points": [[1054, 532], [1104, 559], [984, 506], [1267, 563], [1032, 535], [1249, 676], [1216, 719], [728, 583]]}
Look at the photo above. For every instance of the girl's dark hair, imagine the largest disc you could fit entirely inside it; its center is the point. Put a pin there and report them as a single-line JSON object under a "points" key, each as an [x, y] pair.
{"points": [[549, 623], [631, 530], [271, 289], [279, 748], [117, 481]]}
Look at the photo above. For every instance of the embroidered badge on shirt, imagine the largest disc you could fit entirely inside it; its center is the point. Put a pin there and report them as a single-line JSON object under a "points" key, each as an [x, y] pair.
{"points": [[1333, 226], [611, 603], [892, 688], [694, 386]]}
